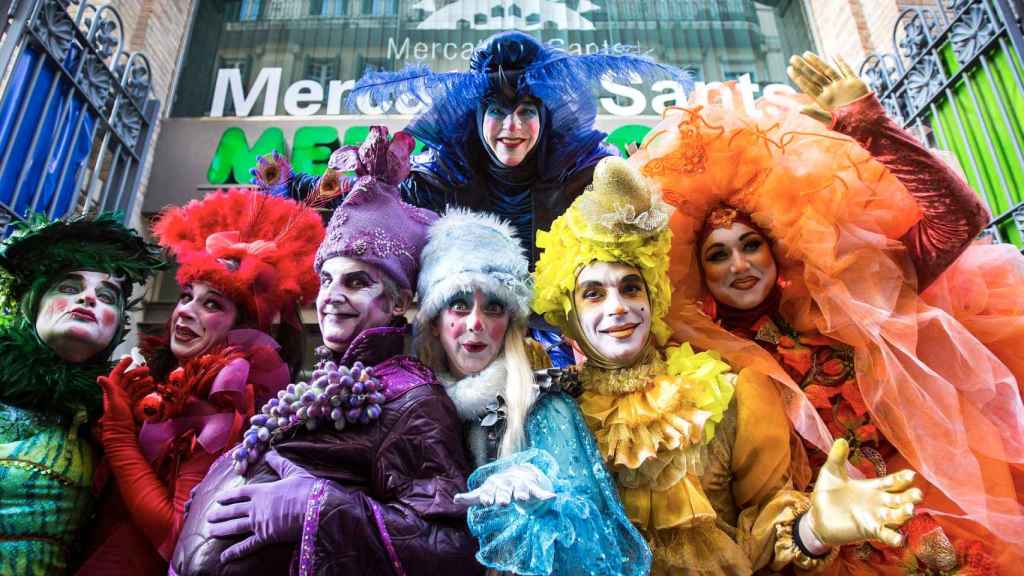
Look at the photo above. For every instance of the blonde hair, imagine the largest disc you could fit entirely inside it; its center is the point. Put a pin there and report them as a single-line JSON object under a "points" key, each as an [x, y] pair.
{"points": [[519, 392]]}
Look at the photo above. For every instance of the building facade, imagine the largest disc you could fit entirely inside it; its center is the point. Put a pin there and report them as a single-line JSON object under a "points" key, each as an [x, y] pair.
{"points": [[263, 75]]}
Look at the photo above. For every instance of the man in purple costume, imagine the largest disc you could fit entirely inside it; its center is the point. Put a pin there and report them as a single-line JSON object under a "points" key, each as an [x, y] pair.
{"points": [[370, 490]]}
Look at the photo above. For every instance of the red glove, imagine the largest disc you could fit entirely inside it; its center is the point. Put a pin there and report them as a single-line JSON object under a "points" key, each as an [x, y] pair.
{"points": [[145, 496]]}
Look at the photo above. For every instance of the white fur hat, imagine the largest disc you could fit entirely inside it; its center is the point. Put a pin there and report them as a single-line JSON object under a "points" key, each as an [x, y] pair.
{"points": [[469, 250]]}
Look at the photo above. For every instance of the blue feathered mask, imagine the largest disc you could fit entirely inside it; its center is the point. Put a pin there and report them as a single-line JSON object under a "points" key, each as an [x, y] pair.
{"points": [[509, 67]]}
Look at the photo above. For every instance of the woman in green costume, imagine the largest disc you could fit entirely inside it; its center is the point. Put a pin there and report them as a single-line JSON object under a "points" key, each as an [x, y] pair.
{"points": [[66, 290]]}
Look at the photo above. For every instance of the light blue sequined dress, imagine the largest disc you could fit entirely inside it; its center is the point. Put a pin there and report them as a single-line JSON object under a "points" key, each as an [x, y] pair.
{"points": [[583, 529]]}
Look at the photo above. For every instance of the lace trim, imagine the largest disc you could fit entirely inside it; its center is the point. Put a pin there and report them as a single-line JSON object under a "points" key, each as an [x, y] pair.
{"points": [[623, 380]]}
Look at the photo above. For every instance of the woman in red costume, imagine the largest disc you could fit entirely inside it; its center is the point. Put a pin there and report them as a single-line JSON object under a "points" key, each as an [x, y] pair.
{"points": [[244, 259], [801, 251]]}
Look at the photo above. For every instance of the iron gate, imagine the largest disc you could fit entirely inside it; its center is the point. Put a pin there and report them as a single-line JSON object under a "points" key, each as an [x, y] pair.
{"points": [[76, 110], [954, 77]]}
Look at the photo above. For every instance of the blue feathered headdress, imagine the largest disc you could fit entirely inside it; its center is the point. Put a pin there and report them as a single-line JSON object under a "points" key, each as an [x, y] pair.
{"points": [[512, 65]]}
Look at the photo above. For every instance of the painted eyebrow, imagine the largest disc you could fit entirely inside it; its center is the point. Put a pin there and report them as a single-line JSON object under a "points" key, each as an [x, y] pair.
{"points": [[359, 274], [715, 245], [751, 233], [632, 278], [112, 286]]}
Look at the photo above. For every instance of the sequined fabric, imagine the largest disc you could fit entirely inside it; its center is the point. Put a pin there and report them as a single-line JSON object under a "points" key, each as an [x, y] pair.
{"points": [[46, 474], [583, 529]]}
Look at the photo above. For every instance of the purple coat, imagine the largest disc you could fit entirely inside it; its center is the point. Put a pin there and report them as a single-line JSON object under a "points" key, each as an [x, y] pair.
{"points": [[385, 502]]}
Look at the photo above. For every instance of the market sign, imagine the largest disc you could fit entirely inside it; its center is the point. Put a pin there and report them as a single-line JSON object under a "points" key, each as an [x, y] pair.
{"points": [[311, 147], [309, 98]]}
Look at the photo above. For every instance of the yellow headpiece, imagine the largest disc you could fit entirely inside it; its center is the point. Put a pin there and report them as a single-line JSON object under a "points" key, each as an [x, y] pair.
{"points": [[618, 218]]}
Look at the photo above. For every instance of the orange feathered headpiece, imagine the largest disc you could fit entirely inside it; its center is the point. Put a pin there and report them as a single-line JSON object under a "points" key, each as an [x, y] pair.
{"points": [[257, 249], [836, 216]]}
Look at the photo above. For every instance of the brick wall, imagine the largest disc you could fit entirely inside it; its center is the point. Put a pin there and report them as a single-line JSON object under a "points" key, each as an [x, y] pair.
{"points": [[158, 29], [854, 29]]}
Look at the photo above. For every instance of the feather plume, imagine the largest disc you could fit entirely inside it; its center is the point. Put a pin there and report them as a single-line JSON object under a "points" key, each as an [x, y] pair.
{"points": [[265, 280], [564, 82]]}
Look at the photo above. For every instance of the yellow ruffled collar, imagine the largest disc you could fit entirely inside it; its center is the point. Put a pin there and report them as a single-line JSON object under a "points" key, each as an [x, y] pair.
{"points": [[620, 381], [699, 385]]}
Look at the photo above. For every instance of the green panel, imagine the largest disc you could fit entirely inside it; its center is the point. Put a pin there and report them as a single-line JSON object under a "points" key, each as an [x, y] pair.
{"points": [[312, 148], [988, 121], [627, 134], [234, 158]]}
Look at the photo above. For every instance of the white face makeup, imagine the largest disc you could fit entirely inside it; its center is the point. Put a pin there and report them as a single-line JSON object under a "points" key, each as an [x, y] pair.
{"points": [[739, 267], [79, 314], [511, 134], [472, 331], [352, 298], [201, 320], [614, 310]]}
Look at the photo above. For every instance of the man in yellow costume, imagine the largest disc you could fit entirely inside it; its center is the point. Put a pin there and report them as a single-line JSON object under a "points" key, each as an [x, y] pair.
{"points": [[700, 453]]}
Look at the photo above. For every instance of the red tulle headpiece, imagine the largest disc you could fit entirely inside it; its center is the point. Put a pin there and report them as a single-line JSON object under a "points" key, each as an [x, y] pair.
{"points": [[256, 249]]}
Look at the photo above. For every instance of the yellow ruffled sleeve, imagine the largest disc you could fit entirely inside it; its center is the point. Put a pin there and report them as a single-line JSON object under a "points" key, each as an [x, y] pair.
{"points": [[761, 485]]}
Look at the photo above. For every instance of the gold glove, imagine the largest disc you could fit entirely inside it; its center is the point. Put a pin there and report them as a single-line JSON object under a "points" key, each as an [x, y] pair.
{"points": [[845, 511], [830, 87]]}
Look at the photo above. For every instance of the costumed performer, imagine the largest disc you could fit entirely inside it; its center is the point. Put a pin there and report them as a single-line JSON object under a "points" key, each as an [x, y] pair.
{"points": [[367, 458], [700, 454], [513, 136], [244, 259], [543, 502], [809, 247], [72, 285]]}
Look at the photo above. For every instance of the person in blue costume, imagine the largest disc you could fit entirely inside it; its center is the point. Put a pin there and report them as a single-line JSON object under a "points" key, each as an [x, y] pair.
{"points": [[513, 136], [541, 500]]}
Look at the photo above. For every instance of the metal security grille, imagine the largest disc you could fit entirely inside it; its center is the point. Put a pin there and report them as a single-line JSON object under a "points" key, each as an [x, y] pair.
{"points": [[954, 77], [76, 111]]}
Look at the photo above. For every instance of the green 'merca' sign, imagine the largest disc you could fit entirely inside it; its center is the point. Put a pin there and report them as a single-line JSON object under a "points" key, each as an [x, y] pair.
{"points": [[312, 147]]}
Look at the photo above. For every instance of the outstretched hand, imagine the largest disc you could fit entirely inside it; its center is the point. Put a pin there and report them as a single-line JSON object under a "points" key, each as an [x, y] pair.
{"points": [[520, 483], [830, 87], [844, 511], [263, 514]]}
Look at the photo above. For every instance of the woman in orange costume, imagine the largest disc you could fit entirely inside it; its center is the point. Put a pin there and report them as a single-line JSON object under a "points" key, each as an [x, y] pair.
{"points": [[800, 251], [244, 258]]}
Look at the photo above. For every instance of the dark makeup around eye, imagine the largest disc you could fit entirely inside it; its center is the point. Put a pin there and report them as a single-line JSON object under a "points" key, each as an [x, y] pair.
{"points": [[460, 299], [359, 277], [719, 245]]}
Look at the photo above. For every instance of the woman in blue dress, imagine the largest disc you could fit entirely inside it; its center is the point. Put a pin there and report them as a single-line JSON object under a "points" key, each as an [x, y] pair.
{"points": [[541, 500]]}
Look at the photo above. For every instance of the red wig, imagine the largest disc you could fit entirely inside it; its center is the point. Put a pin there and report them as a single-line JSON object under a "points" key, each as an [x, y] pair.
{"points": [[256, 249]]}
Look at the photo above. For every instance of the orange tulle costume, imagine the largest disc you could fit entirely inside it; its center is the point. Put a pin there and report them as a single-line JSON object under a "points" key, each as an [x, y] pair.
{"points": [[928, 368]]}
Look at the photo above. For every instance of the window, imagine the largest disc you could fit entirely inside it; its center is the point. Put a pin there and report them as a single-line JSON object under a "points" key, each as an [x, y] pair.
{"points": [[333, 8], [533, 19], [380, 7], [322, 70], [498, 12], [733, 70], [241, 63], [480, 19], [516, 11], [249, 10]]}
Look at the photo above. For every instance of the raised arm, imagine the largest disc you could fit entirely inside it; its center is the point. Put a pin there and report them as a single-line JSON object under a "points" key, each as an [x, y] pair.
{"points": [[952, 213]]}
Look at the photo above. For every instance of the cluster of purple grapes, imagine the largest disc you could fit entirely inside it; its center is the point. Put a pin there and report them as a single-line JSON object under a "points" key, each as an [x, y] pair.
{"points": [[337, 395]]}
